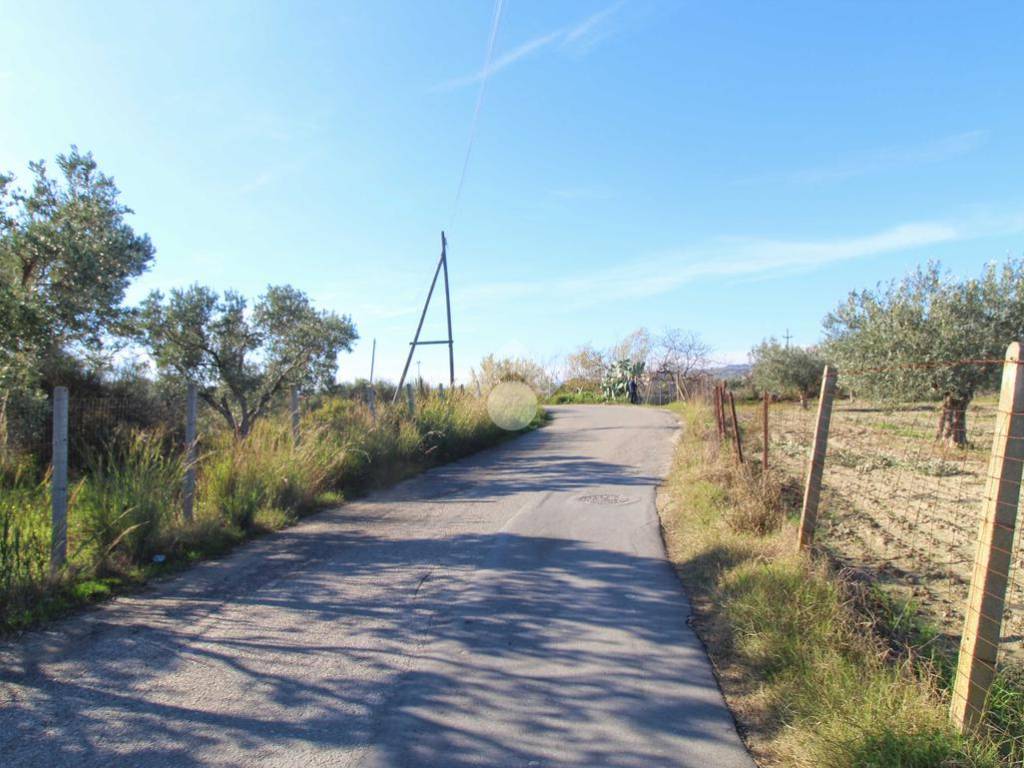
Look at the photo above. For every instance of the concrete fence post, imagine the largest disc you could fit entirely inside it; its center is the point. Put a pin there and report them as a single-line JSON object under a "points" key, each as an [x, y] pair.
{"points": [[440, 392], [812, 488], [188, 495], [296, 415], [979, 643], [59, 482], [410, 400]]}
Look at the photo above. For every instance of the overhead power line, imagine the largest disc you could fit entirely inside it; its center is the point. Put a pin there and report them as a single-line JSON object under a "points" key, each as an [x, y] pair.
{"points": [[485, 74]]}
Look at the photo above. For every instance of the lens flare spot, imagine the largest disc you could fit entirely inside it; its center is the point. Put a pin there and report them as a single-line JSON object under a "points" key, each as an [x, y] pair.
{"points": [[512, 405]]}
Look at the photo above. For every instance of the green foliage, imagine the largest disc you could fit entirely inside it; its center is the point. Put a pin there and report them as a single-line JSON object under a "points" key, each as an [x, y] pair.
{"points": [[1006, 713], [242, 477], [128, 496], [566, 396], [66, 258], [913, 327], [24, 541], [243, 361], [786, 371], [615, 384]]}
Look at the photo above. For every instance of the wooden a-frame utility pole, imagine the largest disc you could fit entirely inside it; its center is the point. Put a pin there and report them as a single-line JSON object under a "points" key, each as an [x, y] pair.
{"points": [[442, 266]]}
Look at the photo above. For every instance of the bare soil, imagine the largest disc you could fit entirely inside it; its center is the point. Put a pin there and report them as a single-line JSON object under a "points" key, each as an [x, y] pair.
{"points": [[899, 505]]}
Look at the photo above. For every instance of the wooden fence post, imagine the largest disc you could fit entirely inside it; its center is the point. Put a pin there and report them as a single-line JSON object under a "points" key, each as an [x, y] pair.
{"points": [[764, 437], [736, 429], [59, 482], [191, 450], [296, 416], [979, 644], [812, 489], [371, 401]]}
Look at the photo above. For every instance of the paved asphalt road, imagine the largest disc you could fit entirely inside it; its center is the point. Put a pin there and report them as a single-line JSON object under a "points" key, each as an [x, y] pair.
{"points": [[512, 609]]}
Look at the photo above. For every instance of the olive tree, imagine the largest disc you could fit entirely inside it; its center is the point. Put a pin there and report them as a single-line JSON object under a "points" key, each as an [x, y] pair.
{"points": [[241, 360], [66, 256], [786, 370], [921, 338]]}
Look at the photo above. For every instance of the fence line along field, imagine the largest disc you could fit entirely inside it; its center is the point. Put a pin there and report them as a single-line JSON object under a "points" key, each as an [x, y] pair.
{"points": [[917, 504], [901, 506]]}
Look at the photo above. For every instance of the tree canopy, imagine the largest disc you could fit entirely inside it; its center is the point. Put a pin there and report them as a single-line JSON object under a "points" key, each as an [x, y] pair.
{"points": [[921, 337], [786, 370], [66, 257], [241, 360]]}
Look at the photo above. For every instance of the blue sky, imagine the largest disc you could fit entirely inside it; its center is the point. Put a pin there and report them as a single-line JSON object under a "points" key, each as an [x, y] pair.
{"points": [[730, 168]]}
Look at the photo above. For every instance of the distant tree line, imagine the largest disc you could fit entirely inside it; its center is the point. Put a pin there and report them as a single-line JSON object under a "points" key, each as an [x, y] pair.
{"points": [[675, 356]]}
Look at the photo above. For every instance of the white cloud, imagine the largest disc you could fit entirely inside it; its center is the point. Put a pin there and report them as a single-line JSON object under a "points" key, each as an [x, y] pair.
{"points": [[580, 36], [733, 257], [590, 31]]}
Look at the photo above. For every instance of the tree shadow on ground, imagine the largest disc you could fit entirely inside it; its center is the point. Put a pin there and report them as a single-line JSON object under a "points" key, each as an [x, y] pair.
{"points": [[510, 667]]}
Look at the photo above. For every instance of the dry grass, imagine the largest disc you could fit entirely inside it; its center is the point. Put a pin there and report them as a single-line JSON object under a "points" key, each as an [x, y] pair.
{"points": [[810, 680]]}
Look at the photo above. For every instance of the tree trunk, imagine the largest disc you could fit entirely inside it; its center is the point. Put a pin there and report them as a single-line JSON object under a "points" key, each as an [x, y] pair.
{"points": [[3, 421], [245, 426], [953, 421]]}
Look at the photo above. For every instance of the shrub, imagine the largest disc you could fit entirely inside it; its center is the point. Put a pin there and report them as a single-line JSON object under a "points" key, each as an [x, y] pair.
{"points": [[125, 500]]}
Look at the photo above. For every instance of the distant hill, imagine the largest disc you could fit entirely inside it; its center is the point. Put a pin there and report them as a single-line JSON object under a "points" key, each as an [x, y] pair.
{"points": [[731, 371]]}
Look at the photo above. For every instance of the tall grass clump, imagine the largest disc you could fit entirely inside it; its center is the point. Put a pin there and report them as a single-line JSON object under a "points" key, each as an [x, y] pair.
{"points": [[268, 471], [809, 680], [24, 536], [126, 498], [454, 426]]}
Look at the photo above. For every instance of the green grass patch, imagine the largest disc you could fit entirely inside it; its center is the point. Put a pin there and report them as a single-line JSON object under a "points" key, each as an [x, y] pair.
{"points": [[902, 430]]}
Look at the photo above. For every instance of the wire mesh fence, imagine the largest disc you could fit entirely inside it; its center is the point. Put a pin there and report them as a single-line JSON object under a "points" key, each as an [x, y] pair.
{"points": [[915, 501], [898, 503], [26, 423]]}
